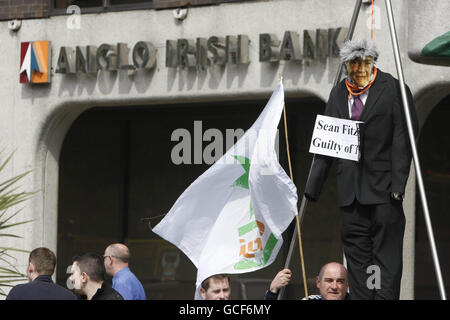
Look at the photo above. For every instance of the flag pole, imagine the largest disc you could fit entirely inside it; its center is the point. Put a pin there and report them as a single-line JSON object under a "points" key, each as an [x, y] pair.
{"points": [[304, 202], [305, 284], [414, 149]]}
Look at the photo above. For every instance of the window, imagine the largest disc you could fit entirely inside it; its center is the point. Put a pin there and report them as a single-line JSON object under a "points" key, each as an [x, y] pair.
{"points": [[91, 6], [88, 6], [115, 2], [64, 4]]}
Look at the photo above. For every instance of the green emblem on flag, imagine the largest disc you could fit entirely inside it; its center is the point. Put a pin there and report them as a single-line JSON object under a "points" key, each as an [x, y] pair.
{"points": [[250, 247], [242, 181]]}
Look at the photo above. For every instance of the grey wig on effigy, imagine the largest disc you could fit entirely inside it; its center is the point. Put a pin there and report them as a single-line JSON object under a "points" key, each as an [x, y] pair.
{"points": [[358, 49]]}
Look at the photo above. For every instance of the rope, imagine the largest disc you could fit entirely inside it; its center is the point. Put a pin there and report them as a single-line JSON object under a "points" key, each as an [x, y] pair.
{"points": [[371, 25]]}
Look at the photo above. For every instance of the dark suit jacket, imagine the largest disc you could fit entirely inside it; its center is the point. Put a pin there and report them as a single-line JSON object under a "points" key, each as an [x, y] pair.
{"points": [[106, 292], [41, 288], [384, 144]]}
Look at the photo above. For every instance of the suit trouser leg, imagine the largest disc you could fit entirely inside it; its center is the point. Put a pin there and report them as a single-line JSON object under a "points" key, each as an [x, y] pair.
{"points": [[388, 232], [372, 236], [357, 244]]}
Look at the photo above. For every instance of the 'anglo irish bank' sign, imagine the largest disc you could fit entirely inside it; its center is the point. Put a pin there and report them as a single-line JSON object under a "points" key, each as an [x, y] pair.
{"points": [[199, 53]]}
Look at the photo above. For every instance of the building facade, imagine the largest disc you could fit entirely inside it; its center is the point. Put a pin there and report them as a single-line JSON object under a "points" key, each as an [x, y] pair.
{"points": [[121, 77]]}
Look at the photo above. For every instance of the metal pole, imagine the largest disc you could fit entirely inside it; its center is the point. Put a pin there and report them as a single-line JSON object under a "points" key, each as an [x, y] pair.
{"points": [[414, 149], [349, 36], [304, 202]]}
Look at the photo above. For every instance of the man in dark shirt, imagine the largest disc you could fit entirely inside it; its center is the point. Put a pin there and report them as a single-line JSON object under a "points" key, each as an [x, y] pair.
{"points": [[88, 278], [41, 266]]}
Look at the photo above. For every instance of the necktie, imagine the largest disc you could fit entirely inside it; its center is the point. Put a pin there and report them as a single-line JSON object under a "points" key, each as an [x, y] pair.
{"points": [[357, 108]]}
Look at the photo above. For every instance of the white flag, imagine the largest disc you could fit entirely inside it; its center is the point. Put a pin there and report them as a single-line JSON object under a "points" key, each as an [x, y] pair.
{"points": [[231, 218]]}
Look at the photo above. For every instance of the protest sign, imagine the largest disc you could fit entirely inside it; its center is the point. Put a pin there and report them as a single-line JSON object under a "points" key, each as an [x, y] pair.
{"points": [[336, 137]]}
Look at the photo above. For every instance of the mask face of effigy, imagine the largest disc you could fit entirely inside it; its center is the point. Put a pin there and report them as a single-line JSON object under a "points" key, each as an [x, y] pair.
{"points": [[360, 71]]}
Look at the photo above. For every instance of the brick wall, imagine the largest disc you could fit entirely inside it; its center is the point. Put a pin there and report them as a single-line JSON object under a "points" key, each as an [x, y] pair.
{"points": [[23, 9]]}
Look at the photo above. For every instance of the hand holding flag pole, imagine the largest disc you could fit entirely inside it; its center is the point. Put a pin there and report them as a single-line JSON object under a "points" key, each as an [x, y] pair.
{"points": [[231, 219], [305, 284]]}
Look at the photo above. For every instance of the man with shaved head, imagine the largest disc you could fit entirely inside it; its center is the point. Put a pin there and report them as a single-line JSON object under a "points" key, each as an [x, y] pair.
{"points": [[124, 281], [332, 283]]}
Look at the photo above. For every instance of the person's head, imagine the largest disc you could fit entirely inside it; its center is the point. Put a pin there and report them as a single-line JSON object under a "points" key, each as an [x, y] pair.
{"points": [[216, 287], [116, 257], [358, 58], [332, 281], [42, 261], [87, 269]]}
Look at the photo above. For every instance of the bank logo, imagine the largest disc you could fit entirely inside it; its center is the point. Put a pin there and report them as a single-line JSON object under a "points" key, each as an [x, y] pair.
{"points": [[35, 62]]}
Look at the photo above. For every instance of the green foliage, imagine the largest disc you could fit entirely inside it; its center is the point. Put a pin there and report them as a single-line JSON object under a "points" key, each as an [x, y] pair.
{"points": [[10, 197]]}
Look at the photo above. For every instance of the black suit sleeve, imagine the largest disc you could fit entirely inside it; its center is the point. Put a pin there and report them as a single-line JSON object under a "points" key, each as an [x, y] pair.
{"points": [[317, 176], [401, 147], [321, 164]]}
